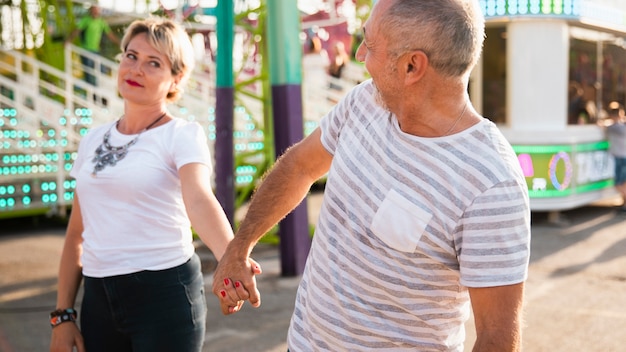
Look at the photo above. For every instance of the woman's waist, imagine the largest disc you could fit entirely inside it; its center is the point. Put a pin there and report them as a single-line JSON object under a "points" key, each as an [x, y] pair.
{"points": [[101, 261]]}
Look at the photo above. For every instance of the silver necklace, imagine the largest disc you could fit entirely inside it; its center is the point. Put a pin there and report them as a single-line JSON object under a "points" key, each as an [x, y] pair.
{"points": [[108, 155], [456, 122]]}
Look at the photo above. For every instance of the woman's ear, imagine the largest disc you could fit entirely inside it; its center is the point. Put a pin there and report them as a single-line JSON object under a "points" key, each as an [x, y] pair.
{"points": [[175, 83]]}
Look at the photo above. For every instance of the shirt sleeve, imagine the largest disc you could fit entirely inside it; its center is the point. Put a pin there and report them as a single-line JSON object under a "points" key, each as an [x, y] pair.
{"points": [[332, 123], [105, 27], [191, 146], [82, 23], [493, 239]]}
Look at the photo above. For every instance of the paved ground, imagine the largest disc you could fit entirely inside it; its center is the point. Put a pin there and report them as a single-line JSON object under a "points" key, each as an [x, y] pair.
{"points": [[575, 301]]}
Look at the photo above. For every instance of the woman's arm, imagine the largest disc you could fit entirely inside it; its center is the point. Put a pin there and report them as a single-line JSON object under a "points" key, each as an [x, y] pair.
{"points": [[210, 222], [66, 335], [205, 212]]}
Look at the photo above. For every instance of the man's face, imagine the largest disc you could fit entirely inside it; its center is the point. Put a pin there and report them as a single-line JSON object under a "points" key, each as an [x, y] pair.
{"points": [[94, 11], [374, 53]]}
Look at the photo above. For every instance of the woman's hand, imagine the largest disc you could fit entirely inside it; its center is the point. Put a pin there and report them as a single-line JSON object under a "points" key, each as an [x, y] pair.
{"points": [[234, 282], [65, 337]]}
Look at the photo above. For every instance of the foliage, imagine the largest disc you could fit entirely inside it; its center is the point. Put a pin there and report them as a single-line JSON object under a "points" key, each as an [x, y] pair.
{"points": [[252, 23]]}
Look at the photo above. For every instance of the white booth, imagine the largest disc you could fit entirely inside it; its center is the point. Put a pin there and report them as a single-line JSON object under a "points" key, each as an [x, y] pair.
{"points": [[548, 71]]}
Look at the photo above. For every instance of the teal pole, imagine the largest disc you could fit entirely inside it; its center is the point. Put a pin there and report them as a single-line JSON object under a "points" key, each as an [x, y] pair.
{"points": [[285, 55], [224, 109]]}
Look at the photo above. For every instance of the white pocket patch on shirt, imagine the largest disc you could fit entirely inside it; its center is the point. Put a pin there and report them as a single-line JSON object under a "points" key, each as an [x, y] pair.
{"points": [[400, 223]]}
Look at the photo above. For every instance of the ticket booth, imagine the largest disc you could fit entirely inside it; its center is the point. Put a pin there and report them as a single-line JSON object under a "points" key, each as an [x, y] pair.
{"points": [[548, 71]]}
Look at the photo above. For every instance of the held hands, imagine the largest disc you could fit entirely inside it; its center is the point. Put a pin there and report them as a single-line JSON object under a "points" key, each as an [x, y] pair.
{"points": [[234, 282]]}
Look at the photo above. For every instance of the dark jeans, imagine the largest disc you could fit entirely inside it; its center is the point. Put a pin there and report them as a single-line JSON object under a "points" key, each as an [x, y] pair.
{"points": [[620, 170], [152, 311]]}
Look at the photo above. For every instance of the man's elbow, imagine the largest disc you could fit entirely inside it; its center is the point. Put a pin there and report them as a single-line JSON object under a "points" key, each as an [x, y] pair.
{"points": [[499, 340]]}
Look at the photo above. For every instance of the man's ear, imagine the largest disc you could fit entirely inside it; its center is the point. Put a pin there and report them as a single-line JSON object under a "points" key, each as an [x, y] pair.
{"points": [[415, 66]]}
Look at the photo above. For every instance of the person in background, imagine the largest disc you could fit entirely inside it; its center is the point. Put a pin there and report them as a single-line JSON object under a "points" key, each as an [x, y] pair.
{"points": [[90, 29], [616, 134], [142, 182], [425, 215], [315, 70], [338, 63], [576, 108], [340, 60]]}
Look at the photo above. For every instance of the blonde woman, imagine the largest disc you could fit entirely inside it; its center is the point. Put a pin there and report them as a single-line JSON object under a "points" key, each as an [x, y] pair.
{"points": [[142, 182]]}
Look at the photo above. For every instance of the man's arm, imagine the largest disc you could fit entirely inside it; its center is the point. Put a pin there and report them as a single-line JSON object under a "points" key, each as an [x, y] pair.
{"points": [[280, 192], [206, 214], [72, 36], [112, 37], [498, 317]]}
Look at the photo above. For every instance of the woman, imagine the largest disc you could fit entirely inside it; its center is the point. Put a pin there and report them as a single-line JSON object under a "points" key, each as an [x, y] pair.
{"points": [[142, 182], [340, 60]]}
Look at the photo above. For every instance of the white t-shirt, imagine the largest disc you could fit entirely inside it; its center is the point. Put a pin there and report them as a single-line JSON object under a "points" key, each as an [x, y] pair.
{"points": [[133, 213], [406, 225]]}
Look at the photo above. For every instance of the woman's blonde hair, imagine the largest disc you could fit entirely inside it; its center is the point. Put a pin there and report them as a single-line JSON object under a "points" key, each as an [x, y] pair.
{"points": [[170, 39]]}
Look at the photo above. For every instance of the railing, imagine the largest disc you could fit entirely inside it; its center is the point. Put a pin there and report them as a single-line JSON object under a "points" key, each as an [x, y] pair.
{"points": [[43, 114]]}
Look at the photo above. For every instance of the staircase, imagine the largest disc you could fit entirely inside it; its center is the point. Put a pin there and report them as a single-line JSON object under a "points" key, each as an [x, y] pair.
{"points": [[44, 112]]}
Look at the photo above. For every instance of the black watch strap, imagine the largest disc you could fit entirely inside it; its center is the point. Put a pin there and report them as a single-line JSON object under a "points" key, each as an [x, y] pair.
{"points": [[60, 316]]}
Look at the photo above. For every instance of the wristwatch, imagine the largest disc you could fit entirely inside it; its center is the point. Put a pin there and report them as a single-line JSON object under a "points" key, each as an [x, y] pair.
{"points": [[60, 316]]}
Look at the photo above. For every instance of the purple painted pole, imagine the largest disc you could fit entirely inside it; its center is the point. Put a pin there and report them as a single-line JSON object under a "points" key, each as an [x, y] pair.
{"points": [[224, 156], [224, 107], [285, 56], [295, 242]]}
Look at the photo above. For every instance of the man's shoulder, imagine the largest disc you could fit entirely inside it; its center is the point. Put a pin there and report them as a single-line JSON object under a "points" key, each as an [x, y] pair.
{"points": [[361, 98], [83, 21], [90, 21], [362, 92], [102, 22], [366, 87]]}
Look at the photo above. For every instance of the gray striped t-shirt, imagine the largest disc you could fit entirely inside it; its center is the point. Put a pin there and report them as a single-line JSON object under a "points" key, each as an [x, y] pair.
{"points": [[406, 224]]}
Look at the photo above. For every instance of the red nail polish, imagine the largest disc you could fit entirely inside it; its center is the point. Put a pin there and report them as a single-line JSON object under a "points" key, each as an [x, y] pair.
{"points": [[223, 293], [226, 282], [237, 284]]}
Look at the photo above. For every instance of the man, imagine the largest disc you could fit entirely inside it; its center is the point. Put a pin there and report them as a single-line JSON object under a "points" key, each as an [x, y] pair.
{"points": [[91, 28], [425, 209]]}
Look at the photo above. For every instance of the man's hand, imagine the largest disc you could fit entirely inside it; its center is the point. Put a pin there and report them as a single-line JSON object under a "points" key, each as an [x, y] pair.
{"points": [[234, 282]]}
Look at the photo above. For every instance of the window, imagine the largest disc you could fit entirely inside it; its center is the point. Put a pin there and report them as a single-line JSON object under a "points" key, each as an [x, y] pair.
{"points": [[597, 74], [494, 75]]}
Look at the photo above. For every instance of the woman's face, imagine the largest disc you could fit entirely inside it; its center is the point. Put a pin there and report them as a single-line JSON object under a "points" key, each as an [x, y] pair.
{"points": [[145, 74]]}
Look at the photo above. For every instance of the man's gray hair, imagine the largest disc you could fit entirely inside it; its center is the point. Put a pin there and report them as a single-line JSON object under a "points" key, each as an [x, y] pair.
{"points": [[450, 32]]}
